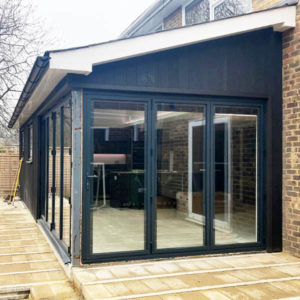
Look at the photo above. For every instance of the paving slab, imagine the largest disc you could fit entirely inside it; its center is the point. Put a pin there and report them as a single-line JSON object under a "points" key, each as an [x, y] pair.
{"points": [[243, 276], [27, 260]]}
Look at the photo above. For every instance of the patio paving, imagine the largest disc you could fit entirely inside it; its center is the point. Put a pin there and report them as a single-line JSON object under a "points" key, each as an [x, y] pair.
{"points": [[247, 276], [28, 265], [26, 259]]}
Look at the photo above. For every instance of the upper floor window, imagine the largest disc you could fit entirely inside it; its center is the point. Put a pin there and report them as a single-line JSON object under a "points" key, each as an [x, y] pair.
{"points": [[227, 9], [30, 142], [200, 11], [197, 11]]}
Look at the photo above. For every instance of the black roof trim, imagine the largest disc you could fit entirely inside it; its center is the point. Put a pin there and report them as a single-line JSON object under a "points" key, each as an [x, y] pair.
{"points": [[34, 77]]}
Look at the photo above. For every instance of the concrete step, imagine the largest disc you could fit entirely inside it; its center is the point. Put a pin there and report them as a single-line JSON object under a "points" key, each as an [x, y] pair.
{"points": [[173, 267], [57, 291], [263, 289], [200, 277]]}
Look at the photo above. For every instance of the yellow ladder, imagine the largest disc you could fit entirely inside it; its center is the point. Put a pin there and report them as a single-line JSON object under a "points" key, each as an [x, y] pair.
{"points": [[17, 180]]}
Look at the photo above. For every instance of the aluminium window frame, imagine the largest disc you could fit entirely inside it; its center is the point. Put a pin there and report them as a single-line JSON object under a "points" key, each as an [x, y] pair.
{"points": [[29, 154], [22, 144], [212, 5], [184, 11], [210, 247], [54, 230]]}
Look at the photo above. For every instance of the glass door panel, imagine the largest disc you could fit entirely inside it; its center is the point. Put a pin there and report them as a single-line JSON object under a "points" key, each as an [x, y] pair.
{"points": [[66, 173], [180, 162], [56, 170], [44, 174], [235, 173], [116, 179], [57, 212], [50, 169]]}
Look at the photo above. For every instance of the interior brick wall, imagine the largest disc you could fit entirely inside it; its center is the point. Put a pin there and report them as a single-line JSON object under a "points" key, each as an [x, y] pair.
{"points": [[243, 174], [174, 138], [174, 20]]}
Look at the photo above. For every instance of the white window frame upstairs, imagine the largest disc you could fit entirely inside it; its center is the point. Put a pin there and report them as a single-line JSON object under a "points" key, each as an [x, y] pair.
{"points": [[212, 5]]}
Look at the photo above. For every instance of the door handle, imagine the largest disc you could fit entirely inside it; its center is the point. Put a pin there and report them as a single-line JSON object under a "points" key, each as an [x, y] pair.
{"points": [[88, 182]]}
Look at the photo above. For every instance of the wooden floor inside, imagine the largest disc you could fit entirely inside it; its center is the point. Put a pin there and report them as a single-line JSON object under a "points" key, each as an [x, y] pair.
{"points": [[249, 276]]}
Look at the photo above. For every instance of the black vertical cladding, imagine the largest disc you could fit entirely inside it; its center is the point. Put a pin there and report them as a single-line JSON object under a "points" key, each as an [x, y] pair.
{"points": [[53, 153], [274, 146], [29, 176], [237, 66]]}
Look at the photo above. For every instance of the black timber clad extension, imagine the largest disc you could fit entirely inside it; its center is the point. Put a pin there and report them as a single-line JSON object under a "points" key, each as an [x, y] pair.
{"points": [[247, 64], [29, 178], [243, 65]]}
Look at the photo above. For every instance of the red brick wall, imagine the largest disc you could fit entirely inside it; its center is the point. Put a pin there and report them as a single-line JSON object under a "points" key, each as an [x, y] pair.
{"points": [[174, 20], [291, 133], [291, 139]]}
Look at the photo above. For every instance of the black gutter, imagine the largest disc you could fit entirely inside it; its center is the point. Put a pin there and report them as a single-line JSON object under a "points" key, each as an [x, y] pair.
{"points": [[37, 72]]}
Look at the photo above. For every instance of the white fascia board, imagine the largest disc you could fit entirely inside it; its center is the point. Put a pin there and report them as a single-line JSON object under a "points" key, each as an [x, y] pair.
{"points": [[82, 60]]}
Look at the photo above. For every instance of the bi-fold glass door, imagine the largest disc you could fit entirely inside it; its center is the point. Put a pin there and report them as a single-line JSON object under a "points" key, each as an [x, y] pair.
{"points": [[117, 177], [56, 148], [170, 176]]}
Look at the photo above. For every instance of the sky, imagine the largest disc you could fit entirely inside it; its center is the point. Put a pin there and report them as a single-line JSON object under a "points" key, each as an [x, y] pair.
{"points": [[71, 23]]}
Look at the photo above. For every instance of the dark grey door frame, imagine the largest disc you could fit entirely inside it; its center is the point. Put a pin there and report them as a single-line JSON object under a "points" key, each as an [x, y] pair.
{"points": [[86, 182], [150, 205]]}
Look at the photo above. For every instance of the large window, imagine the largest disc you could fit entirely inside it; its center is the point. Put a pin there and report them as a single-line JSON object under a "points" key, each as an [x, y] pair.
{"points": [[198, 11], [235, 171], [116, 180], [171, 175], [57, 150], [180, 176], [227, 9]]}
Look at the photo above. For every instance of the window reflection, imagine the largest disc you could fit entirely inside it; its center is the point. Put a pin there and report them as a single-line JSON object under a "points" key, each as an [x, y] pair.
{"points": [[235, 175], [117, 177], [67, 158], [180, 175]]}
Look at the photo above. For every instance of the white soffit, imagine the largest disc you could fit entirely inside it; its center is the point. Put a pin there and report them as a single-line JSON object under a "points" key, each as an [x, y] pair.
{"points": [[82, 60]]}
